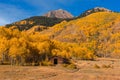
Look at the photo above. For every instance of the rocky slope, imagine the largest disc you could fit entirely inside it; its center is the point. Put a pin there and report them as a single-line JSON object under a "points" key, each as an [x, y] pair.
{"points": [[94, 10], [94, 25], [99, 32], [59, 14]]}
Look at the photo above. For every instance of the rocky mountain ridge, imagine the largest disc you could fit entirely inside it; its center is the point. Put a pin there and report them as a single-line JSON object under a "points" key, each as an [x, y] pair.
{"points": [[94, 10], [59, 14]]}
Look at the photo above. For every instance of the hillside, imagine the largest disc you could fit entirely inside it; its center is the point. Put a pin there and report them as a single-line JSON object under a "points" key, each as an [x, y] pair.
{"points": [[101, 29], [96, 35], [86, 27]]}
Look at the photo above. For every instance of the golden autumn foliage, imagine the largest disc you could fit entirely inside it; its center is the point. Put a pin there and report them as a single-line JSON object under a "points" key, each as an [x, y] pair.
{"points": [[97, 35], [101, 29], [22, 48]]}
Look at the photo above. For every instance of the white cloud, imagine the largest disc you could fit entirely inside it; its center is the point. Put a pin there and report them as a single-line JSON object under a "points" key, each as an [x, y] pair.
{"points": [[3, 21], [10, 13]]}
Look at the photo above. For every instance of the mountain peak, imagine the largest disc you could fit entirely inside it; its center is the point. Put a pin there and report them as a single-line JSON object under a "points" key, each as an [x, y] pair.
{"points": [[60, 13], [100, 9], [94, 10]]}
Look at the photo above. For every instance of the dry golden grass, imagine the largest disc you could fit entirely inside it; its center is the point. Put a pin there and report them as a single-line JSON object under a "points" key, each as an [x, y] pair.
{"points": [[86, 71]]}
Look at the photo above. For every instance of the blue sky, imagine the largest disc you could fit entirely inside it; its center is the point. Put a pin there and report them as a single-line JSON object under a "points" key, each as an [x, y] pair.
{"points": [[15, 10]]}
